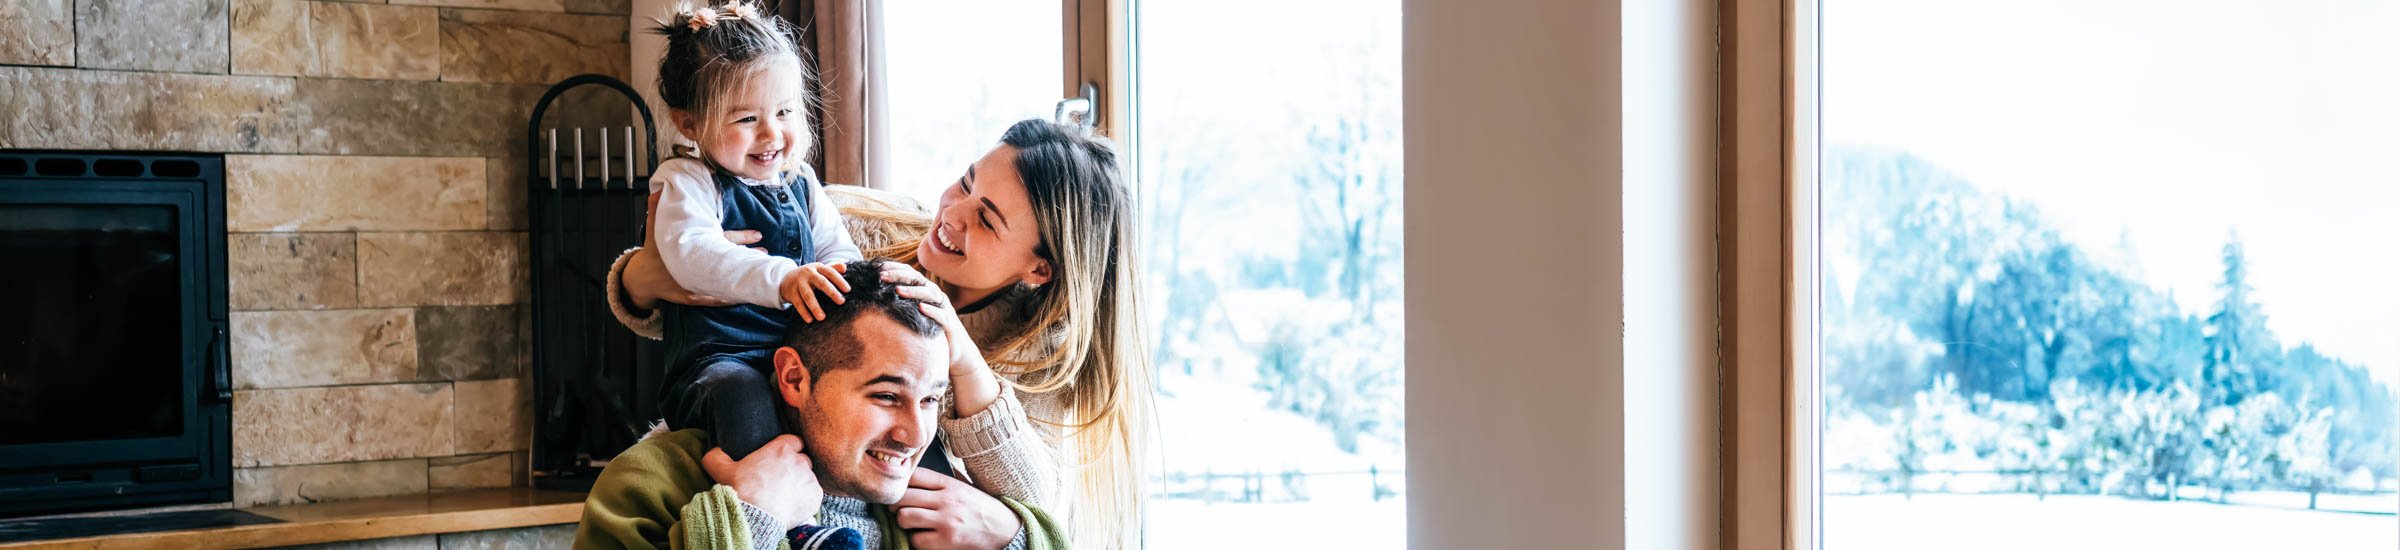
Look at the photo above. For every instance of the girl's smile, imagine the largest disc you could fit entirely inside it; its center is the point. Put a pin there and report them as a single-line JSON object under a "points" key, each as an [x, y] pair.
{"points": [[752, 130]]}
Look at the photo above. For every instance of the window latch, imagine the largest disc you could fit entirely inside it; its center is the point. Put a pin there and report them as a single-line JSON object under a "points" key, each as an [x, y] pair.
{"points": [[1078, 110]]}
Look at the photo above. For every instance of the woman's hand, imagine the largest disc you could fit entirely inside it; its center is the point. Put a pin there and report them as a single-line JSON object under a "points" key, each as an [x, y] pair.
{"points": [[646, 280], [940, 512], [973, 386], [965, 359], [775, 478]]}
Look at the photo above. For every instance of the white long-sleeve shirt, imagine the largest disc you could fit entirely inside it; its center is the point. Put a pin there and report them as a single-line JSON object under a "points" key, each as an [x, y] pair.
{"points": [[690, 229]]}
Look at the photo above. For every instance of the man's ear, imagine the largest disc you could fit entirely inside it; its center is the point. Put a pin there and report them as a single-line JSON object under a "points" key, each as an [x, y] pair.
{"points": [[1039, 273], [791, 377]]}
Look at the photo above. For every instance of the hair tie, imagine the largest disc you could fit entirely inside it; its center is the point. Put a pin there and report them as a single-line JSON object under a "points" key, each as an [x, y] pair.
{"points": [[742, 10], [701, 18]]}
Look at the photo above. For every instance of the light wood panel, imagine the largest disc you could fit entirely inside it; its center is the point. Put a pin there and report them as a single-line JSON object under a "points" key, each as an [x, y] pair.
{"points": [[1753, 226]]}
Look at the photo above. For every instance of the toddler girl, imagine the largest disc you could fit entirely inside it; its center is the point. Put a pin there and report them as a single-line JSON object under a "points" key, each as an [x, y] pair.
{"points": [[733, 82]]}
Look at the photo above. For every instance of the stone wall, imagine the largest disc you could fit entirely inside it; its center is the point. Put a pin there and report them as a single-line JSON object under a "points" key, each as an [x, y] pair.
{"points": [[378, 255]]}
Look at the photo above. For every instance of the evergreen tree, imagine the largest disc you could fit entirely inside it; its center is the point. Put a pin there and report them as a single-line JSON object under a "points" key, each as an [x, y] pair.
{"points": [[2240, 351]]}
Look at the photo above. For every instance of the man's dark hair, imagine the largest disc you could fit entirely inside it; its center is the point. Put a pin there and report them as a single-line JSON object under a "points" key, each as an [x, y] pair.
{"points": [[831, 342]]}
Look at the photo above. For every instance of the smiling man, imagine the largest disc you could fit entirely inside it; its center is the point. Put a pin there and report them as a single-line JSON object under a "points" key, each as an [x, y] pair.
{"points": [[862, 389]]}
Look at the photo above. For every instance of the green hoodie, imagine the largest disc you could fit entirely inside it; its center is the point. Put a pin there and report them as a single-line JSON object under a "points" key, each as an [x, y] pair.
{"points": [[656, 495]]}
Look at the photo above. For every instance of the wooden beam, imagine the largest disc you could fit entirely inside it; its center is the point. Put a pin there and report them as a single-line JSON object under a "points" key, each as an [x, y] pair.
{"points": [[362, 519]]}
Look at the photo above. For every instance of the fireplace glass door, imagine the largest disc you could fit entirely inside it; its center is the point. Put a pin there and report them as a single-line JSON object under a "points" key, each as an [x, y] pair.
{"points": [[96, 352], [112, 332]]}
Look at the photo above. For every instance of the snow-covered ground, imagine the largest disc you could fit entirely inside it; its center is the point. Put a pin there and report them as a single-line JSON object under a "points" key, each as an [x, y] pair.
{"points": [[1213, 421], [2016, 522], [1193, 525], [1868, 522]]}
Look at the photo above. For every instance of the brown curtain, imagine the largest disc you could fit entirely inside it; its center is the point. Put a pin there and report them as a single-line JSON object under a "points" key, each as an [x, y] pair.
{"points": [[844, 38]]}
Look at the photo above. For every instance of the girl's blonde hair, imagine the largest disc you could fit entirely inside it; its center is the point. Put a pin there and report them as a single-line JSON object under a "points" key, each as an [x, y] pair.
{"points": [[712, 51], [1085, 216]]}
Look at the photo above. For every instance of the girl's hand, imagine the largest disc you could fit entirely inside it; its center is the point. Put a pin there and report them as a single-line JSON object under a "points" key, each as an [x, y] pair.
{"points": [[965, 359], [646, 280], [801, 288]]}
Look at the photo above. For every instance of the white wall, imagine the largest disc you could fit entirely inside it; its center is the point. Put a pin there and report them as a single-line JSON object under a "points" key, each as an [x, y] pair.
{"points": [[1516, 418], [647, 47], [1671, 475], [1561, 275]]}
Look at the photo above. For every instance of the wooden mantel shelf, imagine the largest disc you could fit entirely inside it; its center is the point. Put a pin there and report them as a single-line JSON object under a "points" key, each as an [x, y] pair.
{"points": [[348, 520]]}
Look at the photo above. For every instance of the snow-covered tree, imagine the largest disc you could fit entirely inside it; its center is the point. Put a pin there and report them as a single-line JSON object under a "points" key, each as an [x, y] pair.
{"points": [[2308, 445], [2240, 350], [2156, 432]]}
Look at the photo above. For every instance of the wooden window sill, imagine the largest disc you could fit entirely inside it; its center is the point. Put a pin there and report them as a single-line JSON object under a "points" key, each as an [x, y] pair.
{"points": [[349, 520]]}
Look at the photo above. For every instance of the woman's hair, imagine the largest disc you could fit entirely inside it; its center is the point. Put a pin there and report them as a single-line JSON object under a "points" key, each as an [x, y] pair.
{"points": [[886, 224], [714, 51], [1084, 211], [1085, 216]]}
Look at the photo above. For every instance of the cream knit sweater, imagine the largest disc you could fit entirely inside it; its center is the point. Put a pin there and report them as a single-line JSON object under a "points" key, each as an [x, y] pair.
{"points": [[1005, 452]]}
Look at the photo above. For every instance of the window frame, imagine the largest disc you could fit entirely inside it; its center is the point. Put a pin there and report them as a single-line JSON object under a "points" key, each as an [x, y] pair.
{"points": [[1805, 314], [1769, 226], [1768, 220], [1098, 49]]}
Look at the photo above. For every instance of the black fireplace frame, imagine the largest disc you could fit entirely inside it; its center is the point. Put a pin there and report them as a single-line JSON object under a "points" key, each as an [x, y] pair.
{"points": [[195, 466]]}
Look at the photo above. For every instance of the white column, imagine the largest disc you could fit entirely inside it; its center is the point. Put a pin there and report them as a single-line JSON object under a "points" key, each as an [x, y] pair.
{"points": [[1671, 433], [1516, 409], [647, 47]]}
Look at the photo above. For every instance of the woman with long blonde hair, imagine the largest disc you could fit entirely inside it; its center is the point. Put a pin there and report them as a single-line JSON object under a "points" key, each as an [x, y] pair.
{"points": [[1029, 263]]}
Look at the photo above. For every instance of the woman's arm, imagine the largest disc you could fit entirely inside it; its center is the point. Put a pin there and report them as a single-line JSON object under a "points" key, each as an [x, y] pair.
{"points": [[1004, 454], [637, 311], [986, 425], [972, 383], [638, 280]]}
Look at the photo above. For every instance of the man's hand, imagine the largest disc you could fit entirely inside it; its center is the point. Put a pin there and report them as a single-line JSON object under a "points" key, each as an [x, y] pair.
{"points": [[800, 289], [775, 478], [940, 512]]}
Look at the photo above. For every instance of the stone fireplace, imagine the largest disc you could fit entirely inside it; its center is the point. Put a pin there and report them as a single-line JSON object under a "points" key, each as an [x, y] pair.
{"points": [[374, 211]]}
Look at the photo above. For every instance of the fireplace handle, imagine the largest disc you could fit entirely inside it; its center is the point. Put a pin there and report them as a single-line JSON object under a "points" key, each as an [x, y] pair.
{"points": [[220, 373]]}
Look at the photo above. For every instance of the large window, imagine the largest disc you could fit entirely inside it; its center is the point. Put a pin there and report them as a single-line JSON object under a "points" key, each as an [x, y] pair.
{"points": [[957, 73], [2108, 274], [1269, 174], [1263, 141]]}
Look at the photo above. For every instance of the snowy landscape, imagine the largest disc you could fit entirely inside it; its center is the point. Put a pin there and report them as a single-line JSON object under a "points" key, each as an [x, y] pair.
{"points": [[1216, 422], [2060, 311], [2017, 522], [2106, 288], [1272, 229]]}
